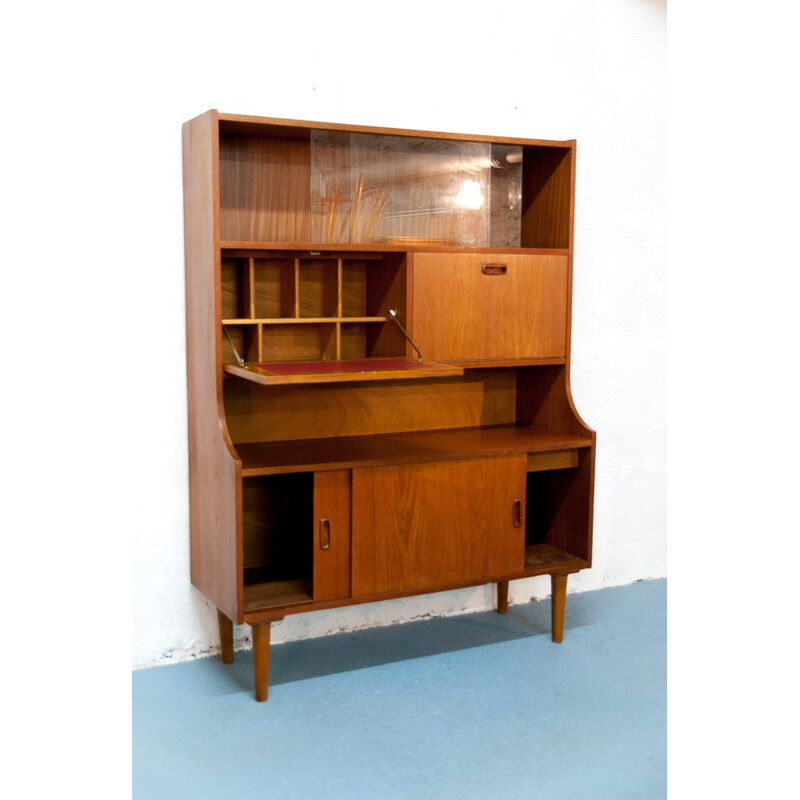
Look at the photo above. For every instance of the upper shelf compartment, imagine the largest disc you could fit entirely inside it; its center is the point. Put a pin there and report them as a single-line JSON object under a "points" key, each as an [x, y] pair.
{"points": [[288, 184]]}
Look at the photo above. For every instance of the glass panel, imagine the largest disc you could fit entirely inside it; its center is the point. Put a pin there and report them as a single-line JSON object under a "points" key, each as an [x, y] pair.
{"points": [[368, 188], [506, 197], [419, 191]]}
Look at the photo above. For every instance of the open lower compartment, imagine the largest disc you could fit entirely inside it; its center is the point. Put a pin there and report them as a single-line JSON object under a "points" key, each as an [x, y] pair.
{"points": [[277, 523], [557, 521]]}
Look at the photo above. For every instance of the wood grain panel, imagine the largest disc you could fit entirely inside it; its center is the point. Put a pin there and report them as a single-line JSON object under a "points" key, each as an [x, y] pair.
{"points": [[422, 526], [559, 459], [332, 535], [547, 191], [475, 307], [214, 472], [265, 189], [266, 458], [281, 413], [301, 342], [274, 288], [544, 400], [559, 507]]}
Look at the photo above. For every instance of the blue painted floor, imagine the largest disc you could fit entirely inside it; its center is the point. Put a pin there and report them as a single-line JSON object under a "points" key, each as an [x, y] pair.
{"points": [[476, 706]]}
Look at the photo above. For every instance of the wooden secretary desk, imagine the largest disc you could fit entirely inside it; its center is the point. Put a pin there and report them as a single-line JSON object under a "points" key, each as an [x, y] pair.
{"points": [[378, 337]]}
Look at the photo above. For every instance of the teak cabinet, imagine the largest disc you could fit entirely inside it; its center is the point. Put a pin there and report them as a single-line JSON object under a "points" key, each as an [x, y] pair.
{"points": [[378, 338]]}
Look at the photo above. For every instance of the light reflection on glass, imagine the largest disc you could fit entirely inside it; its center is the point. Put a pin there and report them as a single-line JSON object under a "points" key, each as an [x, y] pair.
{"points": [[470, 195]]}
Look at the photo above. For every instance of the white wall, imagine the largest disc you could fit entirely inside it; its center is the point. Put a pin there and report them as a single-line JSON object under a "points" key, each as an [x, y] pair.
{"points": [[104, 257]]}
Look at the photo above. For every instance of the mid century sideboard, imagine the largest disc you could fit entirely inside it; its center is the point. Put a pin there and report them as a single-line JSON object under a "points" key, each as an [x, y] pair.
{"points": [[378, 337]]}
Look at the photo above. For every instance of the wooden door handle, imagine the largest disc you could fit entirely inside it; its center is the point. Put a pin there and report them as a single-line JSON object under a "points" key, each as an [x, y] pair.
{"points": [[494, 269], [324, 534], [516, 513]]}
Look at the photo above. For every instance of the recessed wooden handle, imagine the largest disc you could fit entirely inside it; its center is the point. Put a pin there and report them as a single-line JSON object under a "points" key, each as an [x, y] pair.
{"points": [[494, 269], [324, 534], [516, 513]]}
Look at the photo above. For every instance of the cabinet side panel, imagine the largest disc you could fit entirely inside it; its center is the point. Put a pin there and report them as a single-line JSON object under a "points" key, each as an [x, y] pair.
{"points": [[544, 400], [214, 482]]}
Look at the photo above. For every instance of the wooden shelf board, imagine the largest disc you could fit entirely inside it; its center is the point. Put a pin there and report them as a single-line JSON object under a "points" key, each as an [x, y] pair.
{"points": [[271, 599], [363, 369], [300, 320], [353, 249], [272, 594], [269, 458], [544, 558]]}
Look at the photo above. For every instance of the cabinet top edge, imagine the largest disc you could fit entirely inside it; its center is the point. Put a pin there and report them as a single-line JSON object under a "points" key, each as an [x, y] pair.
{"points": [[254, 125]]}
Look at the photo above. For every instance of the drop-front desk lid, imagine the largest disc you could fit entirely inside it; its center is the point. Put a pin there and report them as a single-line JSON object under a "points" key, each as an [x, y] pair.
{"points": [[360, 369]]}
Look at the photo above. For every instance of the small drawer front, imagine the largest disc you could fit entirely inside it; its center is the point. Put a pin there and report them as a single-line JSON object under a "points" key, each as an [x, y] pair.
{"points": [[490, 306]]}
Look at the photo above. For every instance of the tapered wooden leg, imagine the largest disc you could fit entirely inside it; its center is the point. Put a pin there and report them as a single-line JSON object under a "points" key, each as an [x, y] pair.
{"points": [[502, 597], [225, 637], [261, 659], [558, 584]]}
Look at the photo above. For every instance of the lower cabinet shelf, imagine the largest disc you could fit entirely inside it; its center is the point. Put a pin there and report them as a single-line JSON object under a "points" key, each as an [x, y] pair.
{"points": [[276, 598], [541, 445], [276, 594], [545, 559]]}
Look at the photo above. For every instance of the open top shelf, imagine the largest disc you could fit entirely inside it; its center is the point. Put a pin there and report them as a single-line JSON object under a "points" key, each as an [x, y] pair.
{"points": [[306, 182], [266, 458]]}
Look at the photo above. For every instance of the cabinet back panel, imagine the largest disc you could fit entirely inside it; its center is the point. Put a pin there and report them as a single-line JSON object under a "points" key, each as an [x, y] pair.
{"points": [[245, 341], [318, 289], [264, 189], [307, 342], [354, 289], [283, 413], [274, 293], [277, 523], [547, 198], [354, 340], [230, 288]]}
